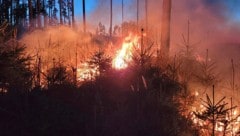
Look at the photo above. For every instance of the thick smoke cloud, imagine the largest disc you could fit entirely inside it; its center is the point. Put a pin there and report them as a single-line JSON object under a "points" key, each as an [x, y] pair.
{"points": [[212, 22]]}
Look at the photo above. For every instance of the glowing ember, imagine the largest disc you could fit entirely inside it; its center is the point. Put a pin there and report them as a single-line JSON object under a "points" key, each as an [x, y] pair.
{"points": [[196, 93], [86, 72], [219, 127], [231, 129], [124, 55]]}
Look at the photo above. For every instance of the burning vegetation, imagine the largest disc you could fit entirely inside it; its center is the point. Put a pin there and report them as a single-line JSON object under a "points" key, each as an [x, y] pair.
{"points": [[124, 55], [65, 79]]}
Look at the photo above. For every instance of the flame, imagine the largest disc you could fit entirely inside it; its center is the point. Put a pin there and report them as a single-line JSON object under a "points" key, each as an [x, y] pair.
{"points": [[235, 112], [124, 55], [232, 128], [85, 72], [196, 93], [219, 127], [232, 118]]}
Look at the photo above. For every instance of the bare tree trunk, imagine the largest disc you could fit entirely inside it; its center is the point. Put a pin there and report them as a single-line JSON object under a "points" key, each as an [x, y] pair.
{"points": [[165, 36], [60, 11], [30, 12], [39, 73], [122, 15], [146, 14], [213, 114], [73, 18], [45, 14], [137, 11], [1, 14], [49, 13], [84, 16], [11, 14], [233, 78], [38, 10], [68, 13], [17, 18], [110, 31]]}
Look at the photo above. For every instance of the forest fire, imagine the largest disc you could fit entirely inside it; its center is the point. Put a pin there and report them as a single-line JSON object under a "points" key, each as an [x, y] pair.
{"points": [[124, 55], [86, 72], [224, 119], [229, 125], [130, 68]]}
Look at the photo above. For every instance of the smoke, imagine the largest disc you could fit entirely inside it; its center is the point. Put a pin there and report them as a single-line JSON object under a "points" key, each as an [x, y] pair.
{"points": [[60, 44], [213, 25], [208, 22], [211, 21]]}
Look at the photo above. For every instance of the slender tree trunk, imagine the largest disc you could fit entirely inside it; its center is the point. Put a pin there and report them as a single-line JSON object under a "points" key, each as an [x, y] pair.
{"points": [[146, 14], [16, 17], [213, 114], [165, 36], [122, 15], [111, 15], [39, 73], [73, 18], [30, 13], [6, 11], [137, 11], [45, 14], [230, 118], [38, 10], [60, 11], [68, 12], [122, 11], [49, 13], [84, 16], [1, 13], [11, 14]]}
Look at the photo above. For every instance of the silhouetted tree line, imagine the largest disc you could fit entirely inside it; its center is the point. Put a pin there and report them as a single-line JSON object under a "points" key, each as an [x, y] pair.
{"points": [[30, 14]]}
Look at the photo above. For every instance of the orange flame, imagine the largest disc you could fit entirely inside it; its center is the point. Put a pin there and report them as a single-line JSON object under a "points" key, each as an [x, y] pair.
{"points": [[124, 55], [231, 129], [85, 72]]}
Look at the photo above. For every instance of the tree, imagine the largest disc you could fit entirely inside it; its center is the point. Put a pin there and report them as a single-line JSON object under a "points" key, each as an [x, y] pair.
{"points": [[52, 11], [60, 10], [111, 15], [30, 8], [122, 11], [206, 76], [100, 61], [84, 16], [15, 73], [146, 14], [215, 113], [38, 10], [57, 75], [4, 8], [137, 12], [73, 18], [44, 11], [50, 5], [116, 30], [165, 37], [101, 30]]}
